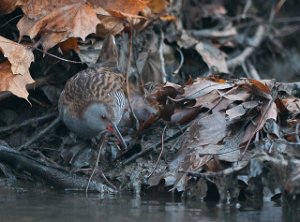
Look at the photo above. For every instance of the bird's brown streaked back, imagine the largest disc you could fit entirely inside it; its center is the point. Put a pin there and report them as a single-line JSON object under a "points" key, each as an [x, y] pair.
{"points": [[94, 84]]}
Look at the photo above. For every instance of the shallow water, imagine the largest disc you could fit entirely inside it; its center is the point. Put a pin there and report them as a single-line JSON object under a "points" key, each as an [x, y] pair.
{"points": [[65, 206]]}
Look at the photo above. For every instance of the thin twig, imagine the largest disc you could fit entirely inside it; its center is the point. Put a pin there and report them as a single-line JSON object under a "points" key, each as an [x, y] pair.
{"points": [[275, 10], [287, 20], [257, 126], [256, 41], [176, 71], [137, 124], [6, 23], [27, 122], [161, 152], [40, 134], [220, 173], [57, 57], [250, 71], [246, 8], [210, 33], [297, 133], [96, 164], [37, 83], [44, 52], [161, 56], [153, 146]]}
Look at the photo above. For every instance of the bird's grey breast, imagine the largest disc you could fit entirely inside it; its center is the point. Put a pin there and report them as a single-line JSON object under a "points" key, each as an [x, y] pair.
{"points": [[86, 126]]}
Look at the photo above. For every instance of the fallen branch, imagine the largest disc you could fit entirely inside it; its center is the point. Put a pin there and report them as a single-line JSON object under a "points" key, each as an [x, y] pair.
{"points": [[54, 176], [40, 134], [256, 41], [14, 127]]}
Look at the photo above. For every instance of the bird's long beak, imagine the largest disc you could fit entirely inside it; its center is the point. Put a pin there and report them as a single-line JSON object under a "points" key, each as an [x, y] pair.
{"points": [[114, 130]]}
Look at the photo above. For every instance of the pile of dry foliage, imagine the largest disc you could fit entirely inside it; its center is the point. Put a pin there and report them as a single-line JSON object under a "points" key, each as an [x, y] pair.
{"points": [[202, 121]]}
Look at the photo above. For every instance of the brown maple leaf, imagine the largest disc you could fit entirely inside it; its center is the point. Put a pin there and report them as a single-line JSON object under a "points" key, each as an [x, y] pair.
{"points": [[7, 6], [129, 7], [15, 83], [71, 20], [18, 55]]}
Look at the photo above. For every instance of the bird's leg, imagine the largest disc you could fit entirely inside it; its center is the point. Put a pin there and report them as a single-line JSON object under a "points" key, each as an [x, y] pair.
{"points": [[100, 141]]}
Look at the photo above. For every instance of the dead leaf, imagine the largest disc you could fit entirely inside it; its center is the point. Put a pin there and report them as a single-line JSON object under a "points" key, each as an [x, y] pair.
{"points": [[130, 7], [186, 40], [267, 111], [14, 83], [207, 130], [292, 104], [7, 6], [36, 9], [168, 18], [74, 20], [201, 87], [238, 111], [69, 44], [18, 55], [260, 85], [184, 116], [157, 6], [213, 9], [212, 56], [109, 24]]}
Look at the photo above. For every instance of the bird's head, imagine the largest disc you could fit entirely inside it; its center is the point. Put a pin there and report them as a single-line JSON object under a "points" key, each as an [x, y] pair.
{"points": [[102, 118]]}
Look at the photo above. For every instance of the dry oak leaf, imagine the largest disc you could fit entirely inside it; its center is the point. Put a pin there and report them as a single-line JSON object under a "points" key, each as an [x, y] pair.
{"points": [[18, 55], [14, 83], [74, 20]]}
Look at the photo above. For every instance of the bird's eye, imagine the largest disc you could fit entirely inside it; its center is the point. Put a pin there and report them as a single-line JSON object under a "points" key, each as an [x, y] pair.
{"points": [[103, 117]]}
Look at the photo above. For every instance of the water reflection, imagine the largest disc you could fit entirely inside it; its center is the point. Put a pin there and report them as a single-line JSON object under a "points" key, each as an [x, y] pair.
{"points": [[62, 207]]}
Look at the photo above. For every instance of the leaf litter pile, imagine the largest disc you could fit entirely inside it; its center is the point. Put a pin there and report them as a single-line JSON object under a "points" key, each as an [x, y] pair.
{"points": [[200, 120]]}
